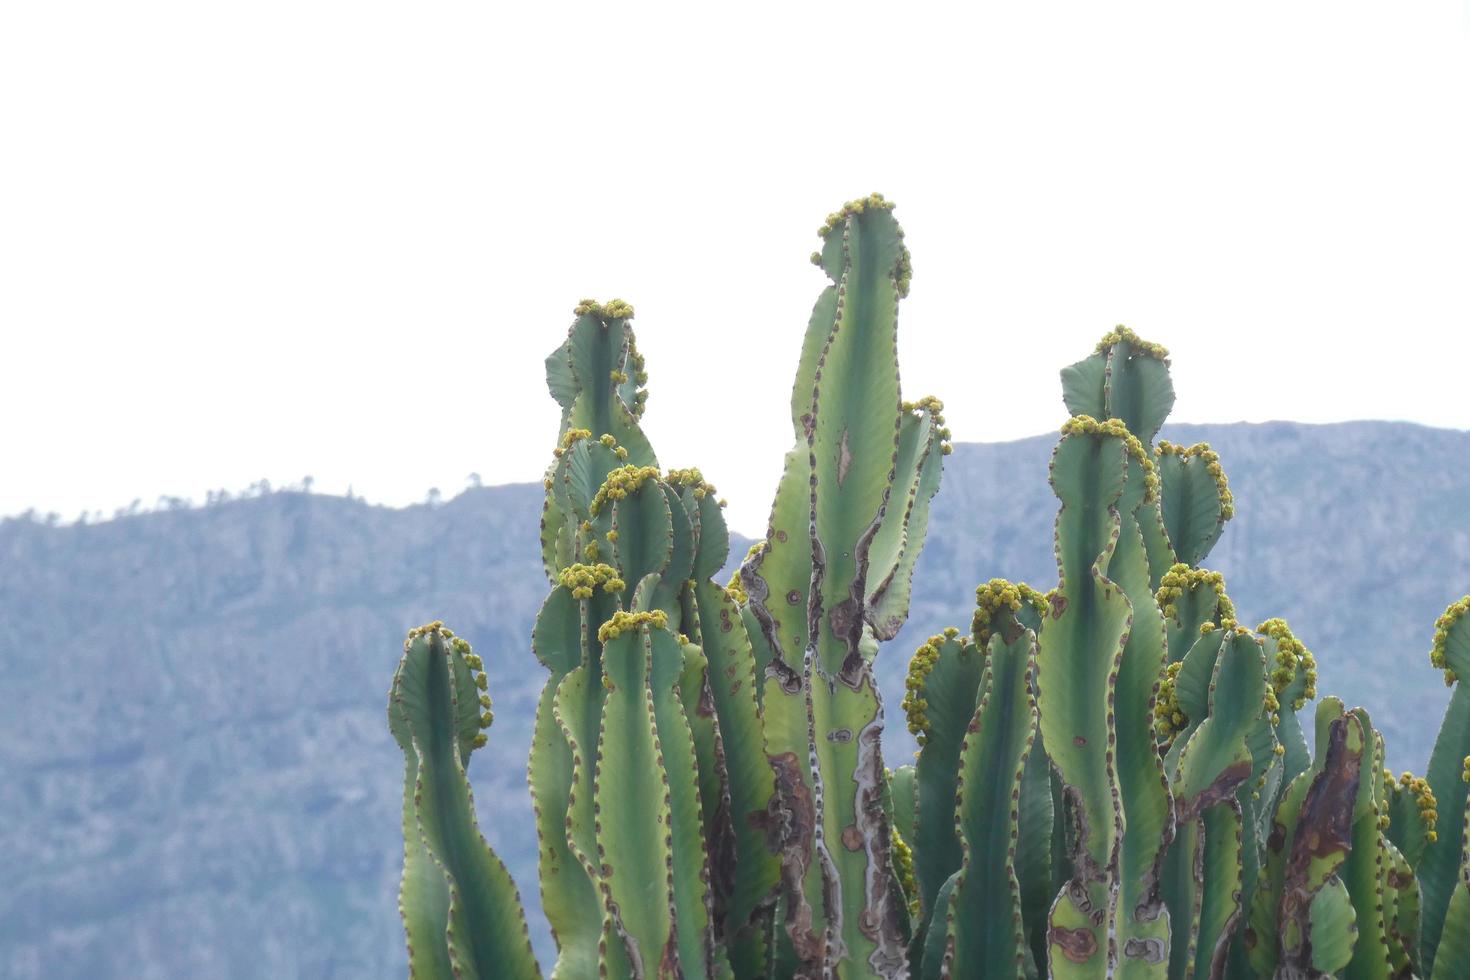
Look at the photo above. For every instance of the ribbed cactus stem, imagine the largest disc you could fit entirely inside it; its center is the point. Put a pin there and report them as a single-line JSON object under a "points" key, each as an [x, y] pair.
{"points": [[984, 927], [1196, 498], [631, 555], [1081, 648], [830, 580], [1317, 924], [460, 907], [1439, 870]]}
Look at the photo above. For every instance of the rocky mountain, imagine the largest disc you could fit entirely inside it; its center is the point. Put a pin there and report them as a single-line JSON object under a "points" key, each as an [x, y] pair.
{"points": [[196, 777]]}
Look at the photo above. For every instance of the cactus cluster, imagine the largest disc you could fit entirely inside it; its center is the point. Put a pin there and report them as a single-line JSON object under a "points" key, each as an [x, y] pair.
{"points": [[1112, 781]]}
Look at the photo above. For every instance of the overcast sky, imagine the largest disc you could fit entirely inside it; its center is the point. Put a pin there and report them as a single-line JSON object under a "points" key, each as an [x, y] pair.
{"points": [[277, 239]]}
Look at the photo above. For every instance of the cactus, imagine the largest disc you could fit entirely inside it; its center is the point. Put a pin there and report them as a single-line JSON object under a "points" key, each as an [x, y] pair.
{"points": [[829, 582], [677, 709], [984, 922], [1441, 870], [1112, 779], [460, 908]]}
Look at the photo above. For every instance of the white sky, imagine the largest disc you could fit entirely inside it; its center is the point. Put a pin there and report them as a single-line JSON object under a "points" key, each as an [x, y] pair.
{"points": [[276, 239]]}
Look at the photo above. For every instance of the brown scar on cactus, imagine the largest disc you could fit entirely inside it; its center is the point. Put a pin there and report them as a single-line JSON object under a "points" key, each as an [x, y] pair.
{"points": [[879, 920], [790, 824], [1324, 828], [1078, 945], [1148, 949], [1222, 788]]}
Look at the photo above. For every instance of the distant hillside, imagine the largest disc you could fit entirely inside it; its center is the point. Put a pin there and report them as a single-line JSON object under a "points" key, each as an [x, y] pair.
{"points": [[198, 776]]}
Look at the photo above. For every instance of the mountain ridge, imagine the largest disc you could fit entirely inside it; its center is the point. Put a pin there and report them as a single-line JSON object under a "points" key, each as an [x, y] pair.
{"points": [[201, 781]]}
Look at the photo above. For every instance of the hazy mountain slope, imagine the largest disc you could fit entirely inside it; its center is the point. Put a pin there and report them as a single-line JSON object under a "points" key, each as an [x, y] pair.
{"points": [[197, 776]]}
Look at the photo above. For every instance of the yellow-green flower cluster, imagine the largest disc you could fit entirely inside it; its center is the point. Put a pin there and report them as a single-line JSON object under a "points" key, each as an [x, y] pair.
{"points": [[903, 866], [1291, 656], [640, 376], [1442, 627], [921, 665], [935, 408], [903, 275], [477, 668], [622, 622], [691, 478], [1273, 711], [1138, 345], [572, 437], [903, 272], [614, 310], [1211, 459], [621, 482], [874, 201], [993, 599], [1169, 716], [1424, 800], [1038, 601], [1466, 774], [584, 580], [1087, 425], [607, 440], [1181, 578], [437, 626]]}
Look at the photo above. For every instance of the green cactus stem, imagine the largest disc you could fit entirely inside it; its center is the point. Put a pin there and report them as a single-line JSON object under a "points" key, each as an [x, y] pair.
{"points": [[1081, 648], [1210, 763], [1294, 680], [1439, 869], [1143, 919], [1318, 921], [1401, 912], [830, 580], [1196, 498], [923, 442], [1452, 960], [1127, 378], [1362, 872], [985, 933], [943, 688], [600, 347], [1412, 815], [1192, 599], [633, 548], [460, 908]]}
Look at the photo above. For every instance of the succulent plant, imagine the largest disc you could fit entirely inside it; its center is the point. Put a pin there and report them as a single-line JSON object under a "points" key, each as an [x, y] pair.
{"points": [[1112, 779]]}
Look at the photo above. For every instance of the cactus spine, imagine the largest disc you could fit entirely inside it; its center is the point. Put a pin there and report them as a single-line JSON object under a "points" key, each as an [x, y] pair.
{"points": [[1112, 778]]}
